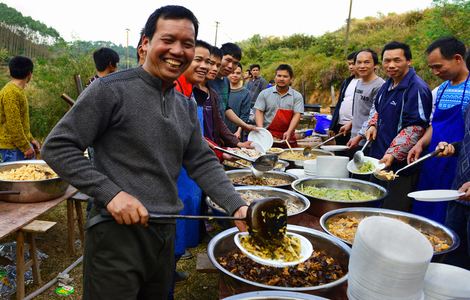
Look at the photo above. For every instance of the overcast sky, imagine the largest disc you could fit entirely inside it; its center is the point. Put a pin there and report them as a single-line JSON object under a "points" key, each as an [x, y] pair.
{"points": [[107, 20]]}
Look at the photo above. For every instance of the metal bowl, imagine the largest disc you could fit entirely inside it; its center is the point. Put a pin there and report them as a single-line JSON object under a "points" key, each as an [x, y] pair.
{"points": [[223, 243], [31, 190], [418, 222], [319, 206], [281, 165], [300, 163], [273, 295], [271, 174], [266, 191]]}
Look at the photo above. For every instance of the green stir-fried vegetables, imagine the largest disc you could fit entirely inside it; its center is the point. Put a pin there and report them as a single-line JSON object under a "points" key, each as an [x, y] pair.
{"points": [[336, 194], [366, 167]]}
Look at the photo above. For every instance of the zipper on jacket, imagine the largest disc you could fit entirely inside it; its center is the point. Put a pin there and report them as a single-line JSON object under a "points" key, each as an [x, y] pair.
{"points": [[163, 105]]}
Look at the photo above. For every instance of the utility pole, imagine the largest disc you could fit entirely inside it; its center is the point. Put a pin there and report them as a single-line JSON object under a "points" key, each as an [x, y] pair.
{"points": [[127, 48], [347, 29], [216, 29]]}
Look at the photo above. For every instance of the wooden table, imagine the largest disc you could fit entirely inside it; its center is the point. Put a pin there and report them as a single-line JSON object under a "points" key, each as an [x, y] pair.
{"points": [[13, 216]]}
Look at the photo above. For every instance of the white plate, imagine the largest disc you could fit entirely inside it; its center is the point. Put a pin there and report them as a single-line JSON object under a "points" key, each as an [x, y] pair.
{"points": [[262, 136], [436, 195], [306, 250], [353, 169], [334, 148]]}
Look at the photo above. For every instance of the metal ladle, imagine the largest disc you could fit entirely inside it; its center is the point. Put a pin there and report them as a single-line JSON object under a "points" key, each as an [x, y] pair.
{"points": [[358, 157], [264, 163], [393, 176], [308, 150], [266, 218]]}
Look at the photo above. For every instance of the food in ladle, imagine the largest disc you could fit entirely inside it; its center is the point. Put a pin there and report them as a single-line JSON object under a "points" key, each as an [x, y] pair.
{"points": [[337, 194], [386, 175]]}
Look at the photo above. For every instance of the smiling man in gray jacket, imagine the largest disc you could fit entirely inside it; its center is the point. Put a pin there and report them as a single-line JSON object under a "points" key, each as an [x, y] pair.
{"points": [[143, 132]]}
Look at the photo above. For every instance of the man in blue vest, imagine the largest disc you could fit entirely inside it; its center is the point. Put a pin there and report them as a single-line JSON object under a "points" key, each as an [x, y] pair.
{"points": [[403, 106]]}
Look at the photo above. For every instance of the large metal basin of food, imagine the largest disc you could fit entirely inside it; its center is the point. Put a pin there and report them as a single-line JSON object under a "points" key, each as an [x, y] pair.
{"points": [[296, 156], [30, 190], [222, 244], [319, 206], [281, 165], [440, 236], [295, 202], [274, 295], [275, 175]]}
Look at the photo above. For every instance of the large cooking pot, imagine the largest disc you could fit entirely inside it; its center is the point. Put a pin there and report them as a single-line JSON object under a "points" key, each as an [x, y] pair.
{"points": [[319, 206], [271, 174], [423, 224], [29, 191], [266, 192], [223, 243], [299, 152], [281, 165]]}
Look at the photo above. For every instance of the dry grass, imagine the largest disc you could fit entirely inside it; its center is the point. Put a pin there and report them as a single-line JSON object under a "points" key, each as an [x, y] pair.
{"points": [[54, 244]]}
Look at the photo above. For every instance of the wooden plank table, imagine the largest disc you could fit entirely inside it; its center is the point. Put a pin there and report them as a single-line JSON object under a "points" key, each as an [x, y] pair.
{"points": [[13, 216]]}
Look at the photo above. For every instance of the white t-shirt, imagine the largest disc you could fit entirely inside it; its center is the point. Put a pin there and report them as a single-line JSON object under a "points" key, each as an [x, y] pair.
{"points": [[345, 111]]}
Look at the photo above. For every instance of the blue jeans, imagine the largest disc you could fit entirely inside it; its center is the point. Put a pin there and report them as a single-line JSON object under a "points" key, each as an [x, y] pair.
{"points": [[7, 155], [458, 219]]}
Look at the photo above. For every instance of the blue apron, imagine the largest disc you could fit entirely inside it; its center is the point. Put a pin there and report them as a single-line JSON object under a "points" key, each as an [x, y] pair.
{"points": [[389, 123], [437, 172], [187, 231]]}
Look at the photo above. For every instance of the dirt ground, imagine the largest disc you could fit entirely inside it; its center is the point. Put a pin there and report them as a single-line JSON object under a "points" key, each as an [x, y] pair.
{"points": [[54, 244]]}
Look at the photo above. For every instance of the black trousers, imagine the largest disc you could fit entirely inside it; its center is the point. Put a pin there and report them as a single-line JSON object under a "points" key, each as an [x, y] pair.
{"points": [[398, 190], [128, 262]]}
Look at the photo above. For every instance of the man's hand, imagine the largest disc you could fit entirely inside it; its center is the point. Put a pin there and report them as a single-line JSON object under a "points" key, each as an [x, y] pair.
{"points": [[250, 127], [448, 149], [29, 153], [371, 133], [387, 160], [241, 213], [36, 145], [238, 133], [286, 135], [414, 153], [246, 144], [465, 188], [346, 128], [126, 209], [354, 142]]}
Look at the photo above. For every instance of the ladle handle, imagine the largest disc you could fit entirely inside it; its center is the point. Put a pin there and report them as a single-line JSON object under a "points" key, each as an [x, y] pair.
{"points": [[234, 154], [153, 216], [365, 145], [327, 140], [429, 155]]}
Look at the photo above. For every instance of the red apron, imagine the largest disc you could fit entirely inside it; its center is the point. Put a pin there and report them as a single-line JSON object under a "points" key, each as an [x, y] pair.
{"points": [[281, 123]]}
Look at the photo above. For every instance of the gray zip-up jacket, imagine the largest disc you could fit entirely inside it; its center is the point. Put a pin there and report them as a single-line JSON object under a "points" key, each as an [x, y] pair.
{"points": [[141, 137]]}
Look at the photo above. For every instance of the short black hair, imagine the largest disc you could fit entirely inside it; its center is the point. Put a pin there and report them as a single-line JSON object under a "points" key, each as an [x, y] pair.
{"points": [[285, 67], [239, 64], [104, 57], [203, 44], [139, 44], [372, 52], [255, 66], [232, 49], [217, 52], [449, 46], [170, 12], [351, 56], [20, 67], [398, 45]]}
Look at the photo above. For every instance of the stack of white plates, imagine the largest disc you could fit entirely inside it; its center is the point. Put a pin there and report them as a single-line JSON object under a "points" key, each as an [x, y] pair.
{"points": [[310, 167], [298, 172], [446, 282], [388, 261]]}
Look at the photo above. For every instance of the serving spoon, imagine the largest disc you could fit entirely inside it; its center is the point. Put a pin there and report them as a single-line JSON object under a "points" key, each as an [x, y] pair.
{"points": [[358, 157], [389, 176], [266, 218], [308, 150], [264, 163]]}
